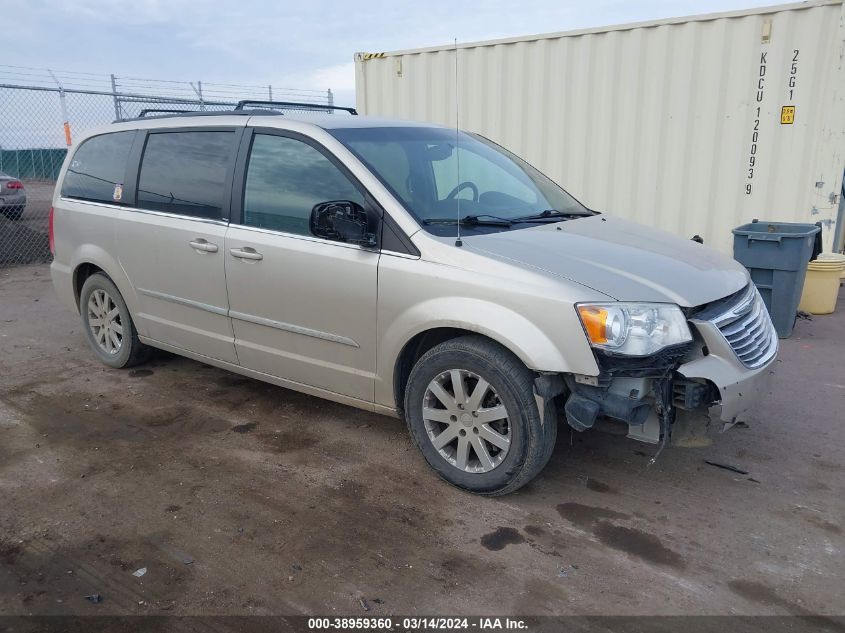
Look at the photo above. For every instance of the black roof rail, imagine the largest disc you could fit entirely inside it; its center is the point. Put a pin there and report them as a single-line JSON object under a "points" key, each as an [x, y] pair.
{"points": [[295, 105], [212, 113], [147, 111]]}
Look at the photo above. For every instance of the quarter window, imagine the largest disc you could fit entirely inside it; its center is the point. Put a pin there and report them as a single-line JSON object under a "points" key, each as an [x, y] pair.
{"points": [[185, 172], [285, 179], [98, 168]]}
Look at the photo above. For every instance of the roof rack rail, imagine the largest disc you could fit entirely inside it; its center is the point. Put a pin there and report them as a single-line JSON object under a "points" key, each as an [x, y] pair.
{"points": [[147, 111], [294, 105], [195, 113]]}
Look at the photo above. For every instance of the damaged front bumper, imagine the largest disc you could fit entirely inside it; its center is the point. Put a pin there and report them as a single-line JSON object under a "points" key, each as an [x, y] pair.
{"points": [[721, 375], [740, 388]]}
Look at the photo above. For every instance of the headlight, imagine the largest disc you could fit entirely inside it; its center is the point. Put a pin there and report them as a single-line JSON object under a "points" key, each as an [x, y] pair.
{"points": [[634, 329]]}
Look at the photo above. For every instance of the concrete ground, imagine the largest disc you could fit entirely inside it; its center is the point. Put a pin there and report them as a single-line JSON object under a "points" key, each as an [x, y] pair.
{"points": [[243, 498]]}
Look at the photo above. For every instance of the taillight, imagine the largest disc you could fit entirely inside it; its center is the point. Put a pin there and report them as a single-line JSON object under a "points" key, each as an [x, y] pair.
{"points": [[14, 184], [52, 236]]}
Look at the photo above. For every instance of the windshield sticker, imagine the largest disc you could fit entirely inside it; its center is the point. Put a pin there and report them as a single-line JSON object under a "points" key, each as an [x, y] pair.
{"points": [[118, 192]]}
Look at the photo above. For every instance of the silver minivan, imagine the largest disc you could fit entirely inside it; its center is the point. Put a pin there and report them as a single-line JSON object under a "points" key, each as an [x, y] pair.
{"points": [[406, 269]]}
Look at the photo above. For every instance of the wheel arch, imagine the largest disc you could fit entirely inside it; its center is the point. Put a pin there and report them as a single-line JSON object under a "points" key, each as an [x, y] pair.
{"points": [[82, 272], [462, 317], [90, 259], [413, 350]]}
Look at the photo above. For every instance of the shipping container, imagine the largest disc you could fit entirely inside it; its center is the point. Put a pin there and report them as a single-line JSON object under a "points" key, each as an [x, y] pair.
{"points": [[695, 124]]}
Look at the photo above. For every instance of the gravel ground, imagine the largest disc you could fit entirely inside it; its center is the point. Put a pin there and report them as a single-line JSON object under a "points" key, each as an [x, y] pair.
{"points": [[24, 241], [242, 498]]}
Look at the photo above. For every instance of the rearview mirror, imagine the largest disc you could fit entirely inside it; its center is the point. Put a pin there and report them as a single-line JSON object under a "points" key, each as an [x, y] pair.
{"points": [[439, 152], [342, 221]]}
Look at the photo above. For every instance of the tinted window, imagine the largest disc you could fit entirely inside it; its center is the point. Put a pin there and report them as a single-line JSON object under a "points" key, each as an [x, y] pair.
{"points": [[285, 179], [185, 172], [98, 167]]}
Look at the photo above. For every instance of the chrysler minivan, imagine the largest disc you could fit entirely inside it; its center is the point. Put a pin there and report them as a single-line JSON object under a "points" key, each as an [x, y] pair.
{"points": [[406, 269]]}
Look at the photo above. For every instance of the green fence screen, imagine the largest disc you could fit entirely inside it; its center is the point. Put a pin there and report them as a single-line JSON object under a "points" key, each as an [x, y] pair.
{"points": [[33, 164]]}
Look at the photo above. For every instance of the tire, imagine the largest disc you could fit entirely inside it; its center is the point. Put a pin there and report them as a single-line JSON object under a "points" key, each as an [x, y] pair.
{"points": [[510, 385], [130, 351]]}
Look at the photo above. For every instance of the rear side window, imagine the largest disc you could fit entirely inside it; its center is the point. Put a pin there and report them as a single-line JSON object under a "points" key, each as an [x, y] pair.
{"points": [[98, 168], [185, 172]]}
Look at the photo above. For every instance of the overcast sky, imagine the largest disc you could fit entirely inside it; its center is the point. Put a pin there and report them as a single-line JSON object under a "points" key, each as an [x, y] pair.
{"points": [[303, 44]]}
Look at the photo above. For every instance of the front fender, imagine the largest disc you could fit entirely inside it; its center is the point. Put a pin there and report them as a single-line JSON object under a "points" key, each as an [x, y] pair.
{"points": [[500, 323]]}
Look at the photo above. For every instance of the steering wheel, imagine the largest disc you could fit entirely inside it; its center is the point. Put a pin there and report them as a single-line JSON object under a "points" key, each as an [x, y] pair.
{"points": [[464, 185]]}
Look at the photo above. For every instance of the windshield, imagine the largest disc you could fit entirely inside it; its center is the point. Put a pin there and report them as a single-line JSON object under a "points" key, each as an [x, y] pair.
{"points": [[439, 183]]}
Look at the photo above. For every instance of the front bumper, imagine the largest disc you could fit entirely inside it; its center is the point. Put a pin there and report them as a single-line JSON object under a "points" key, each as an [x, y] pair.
{"points": [[740, 388], [721, 374]]}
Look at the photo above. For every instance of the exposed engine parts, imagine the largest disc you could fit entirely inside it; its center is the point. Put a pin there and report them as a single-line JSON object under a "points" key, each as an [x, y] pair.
{"points": [[644, 393]]}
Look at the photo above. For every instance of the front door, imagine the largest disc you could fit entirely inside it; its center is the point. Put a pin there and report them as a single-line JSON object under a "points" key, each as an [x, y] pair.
{"points": [[302, 308]]}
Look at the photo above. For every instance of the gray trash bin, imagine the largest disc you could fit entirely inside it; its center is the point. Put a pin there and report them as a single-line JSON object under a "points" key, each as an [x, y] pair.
{"points": [[776, 254]]}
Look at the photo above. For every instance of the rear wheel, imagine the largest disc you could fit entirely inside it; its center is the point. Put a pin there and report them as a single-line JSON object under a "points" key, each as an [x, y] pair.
{"points": [[471, 410], [108, 325]]}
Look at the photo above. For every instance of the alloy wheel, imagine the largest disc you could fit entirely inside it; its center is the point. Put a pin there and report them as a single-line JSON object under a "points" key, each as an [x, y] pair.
{"points": [[466, 421], [104, 321]]}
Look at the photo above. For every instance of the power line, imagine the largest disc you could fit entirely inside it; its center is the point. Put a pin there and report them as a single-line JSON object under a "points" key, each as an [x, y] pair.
{"points": [[10, 73], [64, 72]]}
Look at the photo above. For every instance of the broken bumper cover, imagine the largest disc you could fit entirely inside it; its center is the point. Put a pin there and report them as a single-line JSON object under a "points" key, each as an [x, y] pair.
{"points": [[740, 388]]}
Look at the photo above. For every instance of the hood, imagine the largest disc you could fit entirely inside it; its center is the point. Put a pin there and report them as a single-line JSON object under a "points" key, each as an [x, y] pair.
{"points": [[622, 259]]}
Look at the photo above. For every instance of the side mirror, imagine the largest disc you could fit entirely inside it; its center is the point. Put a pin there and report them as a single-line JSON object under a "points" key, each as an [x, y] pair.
{"points": [[342, 221]]}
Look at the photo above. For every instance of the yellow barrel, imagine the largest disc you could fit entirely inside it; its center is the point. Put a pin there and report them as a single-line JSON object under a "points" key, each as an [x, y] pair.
{"points": [[821, 285], [836, 257]]}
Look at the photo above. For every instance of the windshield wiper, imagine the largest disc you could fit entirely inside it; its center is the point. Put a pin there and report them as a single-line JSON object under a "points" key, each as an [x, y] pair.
{"points": [[553, 214], [485, 219], [471, 220]]}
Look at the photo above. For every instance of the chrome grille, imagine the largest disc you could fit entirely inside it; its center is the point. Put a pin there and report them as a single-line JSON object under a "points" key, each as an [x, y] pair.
{"points": [[746, 325]]}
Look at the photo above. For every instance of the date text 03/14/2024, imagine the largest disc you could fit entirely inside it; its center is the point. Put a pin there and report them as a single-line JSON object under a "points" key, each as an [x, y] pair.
{"points": [[418, 623]]}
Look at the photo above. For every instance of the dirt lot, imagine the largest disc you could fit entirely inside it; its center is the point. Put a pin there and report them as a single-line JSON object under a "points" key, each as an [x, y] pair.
{"points": [[244, 498]]}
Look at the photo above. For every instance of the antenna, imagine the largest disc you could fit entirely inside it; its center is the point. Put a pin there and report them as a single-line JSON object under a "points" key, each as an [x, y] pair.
{"points": [[458, 241]]}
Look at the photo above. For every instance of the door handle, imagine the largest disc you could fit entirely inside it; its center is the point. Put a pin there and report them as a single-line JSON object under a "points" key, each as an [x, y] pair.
{"points": [[246, 253], [203, 245]]}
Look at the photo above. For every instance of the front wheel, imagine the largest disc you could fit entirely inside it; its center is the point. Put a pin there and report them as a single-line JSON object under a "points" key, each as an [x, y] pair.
{"points": [[471, 410], [108, 325]]}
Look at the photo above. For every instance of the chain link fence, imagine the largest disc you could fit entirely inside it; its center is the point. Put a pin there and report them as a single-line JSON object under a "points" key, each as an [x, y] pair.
{"points": [[41, 112]]}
